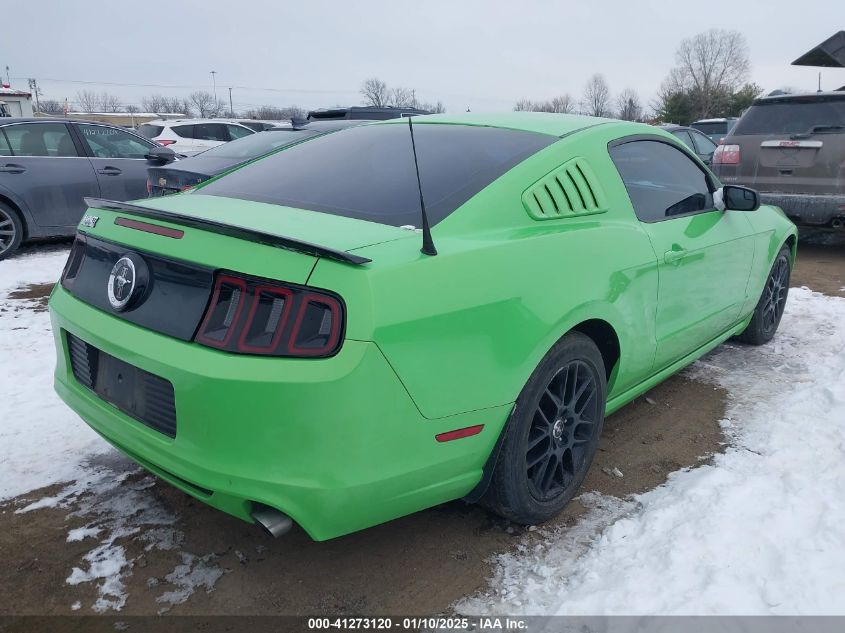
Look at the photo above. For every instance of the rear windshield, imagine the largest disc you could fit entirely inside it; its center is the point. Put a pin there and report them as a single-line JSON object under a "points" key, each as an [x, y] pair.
{"points": [[816, 115], [368, 172], [258, 144], [150, 131], [718, 127]]}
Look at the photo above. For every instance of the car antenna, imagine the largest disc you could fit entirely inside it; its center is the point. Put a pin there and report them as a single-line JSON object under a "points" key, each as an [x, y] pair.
{"points": [[428, 243]]}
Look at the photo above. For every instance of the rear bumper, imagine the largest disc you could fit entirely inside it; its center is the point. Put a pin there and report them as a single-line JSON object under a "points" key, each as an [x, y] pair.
{"points": [[337, 443], [812, 209]]}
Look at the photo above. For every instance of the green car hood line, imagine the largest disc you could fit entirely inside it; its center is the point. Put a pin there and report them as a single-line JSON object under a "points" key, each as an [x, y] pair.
{"points": [[427, 345]]}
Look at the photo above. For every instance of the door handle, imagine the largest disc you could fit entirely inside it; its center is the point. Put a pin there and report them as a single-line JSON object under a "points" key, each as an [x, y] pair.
{"points": [[109, 171], [674, 256], [11, 168]]}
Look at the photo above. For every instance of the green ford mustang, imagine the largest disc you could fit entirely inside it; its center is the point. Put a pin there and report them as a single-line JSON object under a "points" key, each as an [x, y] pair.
{"points": [[277, 344]]}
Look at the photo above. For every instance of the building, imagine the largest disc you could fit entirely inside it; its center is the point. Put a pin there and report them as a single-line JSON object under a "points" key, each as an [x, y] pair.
{"points": [[15, 102]]}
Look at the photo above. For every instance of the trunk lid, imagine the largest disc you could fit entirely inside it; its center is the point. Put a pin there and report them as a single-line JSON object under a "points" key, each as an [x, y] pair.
{"points": [[297, 230]]}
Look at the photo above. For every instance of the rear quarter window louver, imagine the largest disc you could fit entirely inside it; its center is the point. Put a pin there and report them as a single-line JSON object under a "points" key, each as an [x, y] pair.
{"points": [[569, 191]]}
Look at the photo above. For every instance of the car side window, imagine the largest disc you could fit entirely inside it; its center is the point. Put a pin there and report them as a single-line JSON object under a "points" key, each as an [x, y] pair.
{"points": [[236, 131], [185, 131], [703, 145], [5, 149], [109, 142], [683, 136], [211, 132], [662, 181], [41, 139]]}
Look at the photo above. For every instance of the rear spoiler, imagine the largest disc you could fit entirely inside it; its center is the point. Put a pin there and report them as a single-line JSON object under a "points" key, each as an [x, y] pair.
{"points": [[232, 230]]}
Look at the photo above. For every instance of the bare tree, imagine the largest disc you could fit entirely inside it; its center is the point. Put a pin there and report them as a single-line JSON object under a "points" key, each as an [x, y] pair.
{"points": [[628, 106], [86, 100], [375, 92], [185, 107], [273, 113], [596, 101], [203, 102], [51, 106], [434, 108], [710, 66], [403, 98], [563, 104], [153, 103], [109, 103]]}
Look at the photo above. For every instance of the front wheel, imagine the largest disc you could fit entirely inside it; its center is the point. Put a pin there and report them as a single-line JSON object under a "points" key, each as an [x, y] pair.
{"points": [[552, 435], [770, 307]]}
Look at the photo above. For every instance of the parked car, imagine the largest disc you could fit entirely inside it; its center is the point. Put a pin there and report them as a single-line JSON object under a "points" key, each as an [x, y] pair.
{"points": [[277, 344], [188, 173], [716, 129], [47, 167], [190, 136], [697, 141], [791, 148], [366, 113], [260, 126]]}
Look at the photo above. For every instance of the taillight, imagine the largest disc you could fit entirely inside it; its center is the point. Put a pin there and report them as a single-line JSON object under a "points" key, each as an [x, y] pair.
{"points": [[726, 155], [268, 318], [149, 187], [164, 142]]}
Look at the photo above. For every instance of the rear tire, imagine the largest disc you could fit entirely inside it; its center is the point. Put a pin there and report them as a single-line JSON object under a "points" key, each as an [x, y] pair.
{"points": [[769, 310], [11, 231], [552, 434]]}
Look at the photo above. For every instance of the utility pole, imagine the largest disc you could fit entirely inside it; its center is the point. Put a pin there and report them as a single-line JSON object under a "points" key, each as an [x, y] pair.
{"points": [[8, 78], [214, 81], [231, 109], [33, 85]]}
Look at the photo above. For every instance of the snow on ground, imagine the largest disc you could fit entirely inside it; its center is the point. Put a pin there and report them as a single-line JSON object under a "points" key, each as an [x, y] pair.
{"points": [[761, 530], [45, 443]]}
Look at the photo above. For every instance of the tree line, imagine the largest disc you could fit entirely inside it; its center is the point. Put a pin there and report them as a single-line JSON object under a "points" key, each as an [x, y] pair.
{"points": [[200, 103], [709, 79]]}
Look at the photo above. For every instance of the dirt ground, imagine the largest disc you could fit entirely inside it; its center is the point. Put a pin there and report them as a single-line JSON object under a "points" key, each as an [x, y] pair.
{"points": [[422, 563]]}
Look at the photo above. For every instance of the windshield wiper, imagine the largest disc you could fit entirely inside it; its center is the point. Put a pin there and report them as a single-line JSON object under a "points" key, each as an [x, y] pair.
{"points": [[816, 129]]}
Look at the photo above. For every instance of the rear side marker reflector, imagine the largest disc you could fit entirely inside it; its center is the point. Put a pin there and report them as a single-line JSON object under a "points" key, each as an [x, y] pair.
{"points": [[149, 228], [457, 434]]}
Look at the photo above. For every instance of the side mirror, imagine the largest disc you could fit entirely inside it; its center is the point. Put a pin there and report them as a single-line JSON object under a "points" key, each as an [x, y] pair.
{"points": [[161, 155], [736, 198]]}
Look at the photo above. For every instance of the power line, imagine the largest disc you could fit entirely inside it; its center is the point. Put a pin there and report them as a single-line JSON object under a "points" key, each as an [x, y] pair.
{"points": [[188, 86]]}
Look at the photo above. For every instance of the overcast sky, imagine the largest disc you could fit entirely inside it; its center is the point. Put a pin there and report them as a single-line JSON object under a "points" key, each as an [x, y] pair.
{"points": [[468, 53]]}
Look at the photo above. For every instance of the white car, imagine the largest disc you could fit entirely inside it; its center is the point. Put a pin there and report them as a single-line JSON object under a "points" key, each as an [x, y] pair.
{"points": [[259, 125], [190, 136]]}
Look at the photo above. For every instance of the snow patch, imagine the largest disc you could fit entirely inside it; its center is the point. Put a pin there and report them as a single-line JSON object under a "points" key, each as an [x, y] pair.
{"points": [[195, 572], [80, 534], [44, 442], [761, 530]]}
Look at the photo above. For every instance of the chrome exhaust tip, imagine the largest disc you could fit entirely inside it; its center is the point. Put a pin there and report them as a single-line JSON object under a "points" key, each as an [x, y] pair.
{"points": [[275, 522]]}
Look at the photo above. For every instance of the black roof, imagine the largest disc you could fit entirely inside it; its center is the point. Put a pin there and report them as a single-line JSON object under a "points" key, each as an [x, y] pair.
{"points": [[828, 54], [364, 112]]}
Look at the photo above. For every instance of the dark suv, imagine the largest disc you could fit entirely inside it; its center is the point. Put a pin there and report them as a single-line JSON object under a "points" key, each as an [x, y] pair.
{"points": [[791, 148], [364, 113]]}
